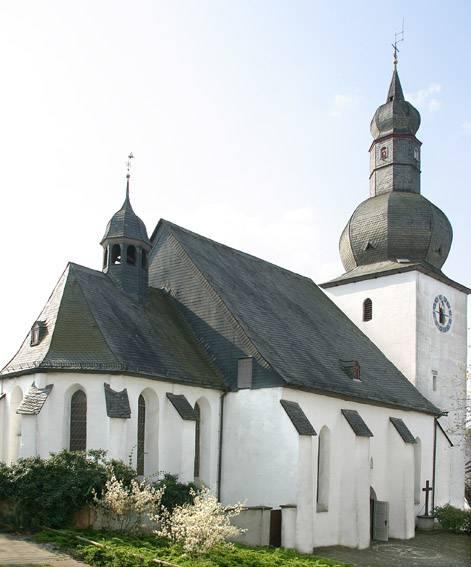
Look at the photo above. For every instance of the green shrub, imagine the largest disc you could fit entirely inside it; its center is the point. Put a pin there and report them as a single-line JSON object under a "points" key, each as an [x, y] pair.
{"points": [[47, 492], [453, 519], [176, 493]]}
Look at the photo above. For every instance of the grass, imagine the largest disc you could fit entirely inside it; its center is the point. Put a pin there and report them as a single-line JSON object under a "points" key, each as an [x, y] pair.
{"points": [[120, 550]]}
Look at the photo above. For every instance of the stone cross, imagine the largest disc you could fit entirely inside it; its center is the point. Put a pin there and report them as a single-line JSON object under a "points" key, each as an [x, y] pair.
{"points": [[427, 489]]}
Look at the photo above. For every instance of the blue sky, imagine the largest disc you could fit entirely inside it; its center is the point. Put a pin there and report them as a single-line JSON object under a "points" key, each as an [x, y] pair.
{"points": [[249, 121]]}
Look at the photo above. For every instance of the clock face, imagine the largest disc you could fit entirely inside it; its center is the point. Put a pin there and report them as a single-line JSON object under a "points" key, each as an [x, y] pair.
{"points": [[442, 314]]}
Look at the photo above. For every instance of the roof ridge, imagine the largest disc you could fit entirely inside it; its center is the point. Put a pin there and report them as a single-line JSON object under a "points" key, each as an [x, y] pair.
{"points": [[241, 252]]}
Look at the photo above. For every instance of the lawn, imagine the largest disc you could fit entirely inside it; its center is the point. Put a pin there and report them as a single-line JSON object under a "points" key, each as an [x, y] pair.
{"points": [[121, 550]]}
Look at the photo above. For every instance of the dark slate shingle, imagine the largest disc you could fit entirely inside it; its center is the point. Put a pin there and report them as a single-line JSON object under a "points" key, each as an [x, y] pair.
{"points": [[402, 429], [356, 423], [298, 418], [34, 399], [182, 405], [117, 403], [293, 325]]}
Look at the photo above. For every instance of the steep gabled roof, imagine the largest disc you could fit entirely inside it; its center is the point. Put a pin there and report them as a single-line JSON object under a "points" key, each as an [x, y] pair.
{"points": [[295, 327], [93, 326]]}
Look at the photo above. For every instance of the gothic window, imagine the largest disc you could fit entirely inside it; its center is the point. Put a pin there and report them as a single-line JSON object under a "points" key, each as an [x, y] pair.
{"points": [[144, 259], [131, 254], [323, 472], [197, 441], [417, 469], [78, 421], [116, 254], [141, 434], [384, 153], [105, 258], [367, 309]]}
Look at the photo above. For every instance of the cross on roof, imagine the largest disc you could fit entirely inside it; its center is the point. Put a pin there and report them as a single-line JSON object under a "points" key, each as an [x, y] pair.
{"points": [[128, 165], [398, 37]]}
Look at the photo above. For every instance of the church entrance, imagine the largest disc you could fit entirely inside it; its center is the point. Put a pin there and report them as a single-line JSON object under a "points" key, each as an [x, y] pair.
{"points": [[379, 518]]}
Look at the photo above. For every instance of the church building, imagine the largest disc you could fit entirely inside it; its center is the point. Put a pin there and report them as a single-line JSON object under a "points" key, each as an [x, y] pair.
{"points": [[333, 406]]}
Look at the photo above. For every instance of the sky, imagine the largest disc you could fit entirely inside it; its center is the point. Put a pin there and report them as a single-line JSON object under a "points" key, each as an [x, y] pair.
{"points": [[248, 120]]}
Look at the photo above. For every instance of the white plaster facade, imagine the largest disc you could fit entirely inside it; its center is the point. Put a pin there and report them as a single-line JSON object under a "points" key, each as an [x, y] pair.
{"points": [[403, 327], [265, 462]]}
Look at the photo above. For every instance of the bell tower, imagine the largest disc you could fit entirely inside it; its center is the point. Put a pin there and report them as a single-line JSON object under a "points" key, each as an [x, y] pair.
{"points": [[125, 249], [393, 248]]}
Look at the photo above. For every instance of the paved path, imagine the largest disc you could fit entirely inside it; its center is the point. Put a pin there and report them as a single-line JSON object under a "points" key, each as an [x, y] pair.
{"points": [[427, 549], [16, 550]]}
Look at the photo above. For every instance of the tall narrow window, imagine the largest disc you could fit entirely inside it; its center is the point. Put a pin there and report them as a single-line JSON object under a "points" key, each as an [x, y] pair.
{"points": [[131, 255], [78, 421], [367, 310], [323, 470], [417, 470], [197, 441], [116, 254], [144, 259], [105, 258], [141, 434]]}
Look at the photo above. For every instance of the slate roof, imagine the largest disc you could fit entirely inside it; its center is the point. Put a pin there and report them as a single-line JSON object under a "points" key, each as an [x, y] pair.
{"points": [[402, 429], [298, 418], [357, 423], [117, 403], [296, 328], [126, 224], [93, 326], [396, 225], [389, 267], [34, 399], [183, 406]]}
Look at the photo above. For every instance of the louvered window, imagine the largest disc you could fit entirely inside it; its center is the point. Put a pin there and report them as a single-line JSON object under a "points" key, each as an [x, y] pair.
{"points": [[367, 310], [141, 434], [78, 421], [197, 441]]}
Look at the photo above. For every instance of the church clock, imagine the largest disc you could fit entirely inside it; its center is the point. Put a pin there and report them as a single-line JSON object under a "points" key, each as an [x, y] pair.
{"points": [[442, 314]]}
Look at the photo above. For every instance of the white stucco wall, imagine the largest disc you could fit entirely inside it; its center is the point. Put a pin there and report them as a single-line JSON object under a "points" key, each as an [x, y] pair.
{"points": [[403, 328], [170, 441], [265, 463]]}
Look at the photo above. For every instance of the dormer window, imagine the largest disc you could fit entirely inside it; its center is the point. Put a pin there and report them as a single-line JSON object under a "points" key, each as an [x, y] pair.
{"points": [[351, 368], [38, 331]]}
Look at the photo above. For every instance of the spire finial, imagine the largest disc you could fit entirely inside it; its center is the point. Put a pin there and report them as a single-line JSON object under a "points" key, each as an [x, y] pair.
{"points": [[398, 37], [128, 174]]}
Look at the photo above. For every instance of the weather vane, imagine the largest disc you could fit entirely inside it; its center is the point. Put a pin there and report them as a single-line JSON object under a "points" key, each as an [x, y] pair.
{"points": [[128, 165], [398, 37]]}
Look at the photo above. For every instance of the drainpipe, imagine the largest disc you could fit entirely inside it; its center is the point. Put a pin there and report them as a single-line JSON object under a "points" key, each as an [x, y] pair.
{"points": [[221, 426], [434, 461]]}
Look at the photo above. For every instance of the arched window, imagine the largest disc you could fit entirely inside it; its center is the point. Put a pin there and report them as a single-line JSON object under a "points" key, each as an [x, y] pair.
{"points": [[144, 259], [116, 254], [131, 255], [417, 469], [367, 310], [141, 434], [78, 421], [323, 470], [197, 441], [105, 258]]}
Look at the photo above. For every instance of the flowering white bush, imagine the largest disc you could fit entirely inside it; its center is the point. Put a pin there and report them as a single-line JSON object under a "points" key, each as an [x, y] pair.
{"points": [[124, 508], [201, 525]]}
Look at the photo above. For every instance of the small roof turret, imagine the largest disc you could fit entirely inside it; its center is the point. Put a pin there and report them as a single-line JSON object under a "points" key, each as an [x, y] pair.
{"points": [[126, 224]]}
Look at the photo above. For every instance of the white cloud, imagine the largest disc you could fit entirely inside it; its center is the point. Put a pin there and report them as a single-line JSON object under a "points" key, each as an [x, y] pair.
{"points": [[427, 98], [340, 104]]}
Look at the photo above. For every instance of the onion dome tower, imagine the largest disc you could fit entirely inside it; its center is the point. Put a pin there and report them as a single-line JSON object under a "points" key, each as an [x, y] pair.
{"points": [[125, 249], [396, 224]]}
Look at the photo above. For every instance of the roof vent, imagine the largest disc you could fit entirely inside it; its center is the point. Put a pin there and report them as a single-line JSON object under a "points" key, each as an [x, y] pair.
{"points": [[38, 332], [351, 368]]}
